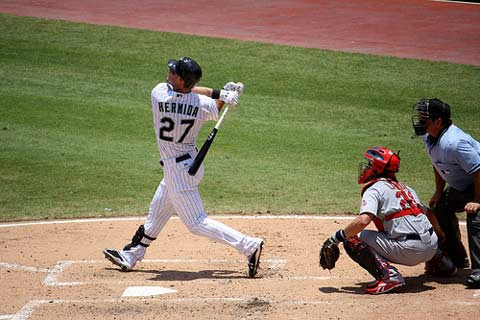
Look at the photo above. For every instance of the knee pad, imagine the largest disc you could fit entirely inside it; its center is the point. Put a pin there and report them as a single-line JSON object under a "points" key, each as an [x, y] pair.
{"points": [[368, 259], [139, 238]]}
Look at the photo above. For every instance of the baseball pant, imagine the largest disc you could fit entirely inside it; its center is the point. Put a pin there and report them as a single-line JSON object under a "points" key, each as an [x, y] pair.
{"points": [[405, 252], [452, 202], [178, 192]]}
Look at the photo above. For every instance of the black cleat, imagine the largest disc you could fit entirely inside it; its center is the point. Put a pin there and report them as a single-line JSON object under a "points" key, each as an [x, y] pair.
{"points": [[254, 261], [115, 258], [473, 281]]}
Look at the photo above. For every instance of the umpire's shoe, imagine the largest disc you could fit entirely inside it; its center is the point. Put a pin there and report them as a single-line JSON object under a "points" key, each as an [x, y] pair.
{"points": [[254, 261], [473, 280], [116, 258]]}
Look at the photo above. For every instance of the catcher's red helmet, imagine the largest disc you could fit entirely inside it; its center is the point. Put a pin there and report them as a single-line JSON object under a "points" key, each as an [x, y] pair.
{"points": [[380, 162]]}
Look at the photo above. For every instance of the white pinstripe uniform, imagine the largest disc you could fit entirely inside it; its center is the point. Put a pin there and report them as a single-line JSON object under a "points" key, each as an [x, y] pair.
{"points": [[178, 118]]}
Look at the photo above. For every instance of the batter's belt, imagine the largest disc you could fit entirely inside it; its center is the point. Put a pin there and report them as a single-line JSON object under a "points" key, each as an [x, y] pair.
{"points": [[179, 159]]}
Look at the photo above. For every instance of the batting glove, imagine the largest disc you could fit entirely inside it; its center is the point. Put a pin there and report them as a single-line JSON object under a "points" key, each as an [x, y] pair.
{"points": [[229, 97], [234, 86]]}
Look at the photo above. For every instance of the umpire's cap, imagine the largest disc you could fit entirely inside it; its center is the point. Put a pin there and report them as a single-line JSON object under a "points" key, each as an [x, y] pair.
{"points": [[433, 109], [188, 69]]}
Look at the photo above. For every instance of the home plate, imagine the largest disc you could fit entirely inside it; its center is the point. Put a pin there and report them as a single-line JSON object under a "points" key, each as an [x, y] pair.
{"points": [[146, 291]]}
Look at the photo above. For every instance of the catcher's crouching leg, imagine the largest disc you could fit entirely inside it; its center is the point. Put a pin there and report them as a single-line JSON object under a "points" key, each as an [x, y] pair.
{"points": [[378, 267], [368, 259]]}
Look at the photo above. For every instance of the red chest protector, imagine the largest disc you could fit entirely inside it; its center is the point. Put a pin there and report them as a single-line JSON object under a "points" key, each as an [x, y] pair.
{"points": [[409, 206]]}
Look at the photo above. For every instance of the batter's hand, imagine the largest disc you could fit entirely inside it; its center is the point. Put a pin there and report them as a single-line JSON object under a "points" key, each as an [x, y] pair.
{"points": [[229, 97], [235, 86]]}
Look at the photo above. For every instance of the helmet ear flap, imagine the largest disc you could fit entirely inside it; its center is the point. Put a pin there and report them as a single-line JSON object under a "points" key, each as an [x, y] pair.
{"points": [[394, 163]]}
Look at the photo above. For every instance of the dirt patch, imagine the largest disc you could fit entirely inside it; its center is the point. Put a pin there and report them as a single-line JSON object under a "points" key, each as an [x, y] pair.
{"points": [[410, 29], [58, 270]]}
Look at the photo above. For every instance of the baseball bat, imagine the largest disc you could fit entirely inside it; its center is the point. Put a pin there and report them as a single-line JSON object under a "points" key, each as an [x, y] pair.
{"points": [[197, 162]]}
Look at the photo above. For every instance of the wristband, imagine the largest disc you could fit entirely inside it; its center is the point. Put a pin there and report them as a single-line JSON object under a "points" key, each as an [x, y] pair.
{"points": [[215, 93], [339, 236]]}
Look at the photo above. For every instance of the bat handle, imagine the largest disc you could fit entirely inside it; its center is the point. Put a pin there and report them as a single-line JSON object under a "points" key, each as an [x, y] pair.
{"points": [[197, 162], [219, 122]]}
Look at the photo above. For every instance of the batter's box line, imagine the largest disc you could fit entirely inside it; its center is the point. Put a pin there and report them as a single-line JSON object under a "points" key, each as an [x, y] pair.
{"points": [[53, 273], [15, 266]]}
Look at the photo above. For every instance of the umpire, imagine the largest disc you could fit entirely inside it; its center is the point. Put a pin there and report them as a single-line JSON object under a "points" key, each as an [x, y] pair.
{"points": [[455, 156]]}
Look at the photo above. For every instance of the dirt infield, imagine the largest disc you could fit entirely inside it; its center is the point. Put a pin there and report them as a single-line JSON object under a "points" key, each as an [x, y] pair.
{"points": [[57, 270], [432, 30]]}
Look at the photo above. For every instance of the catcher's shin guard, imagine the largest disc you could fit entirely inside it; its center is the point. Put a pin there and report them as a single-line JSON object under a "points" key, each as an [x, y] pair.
{"points": [[368, 259], [140, 238]]}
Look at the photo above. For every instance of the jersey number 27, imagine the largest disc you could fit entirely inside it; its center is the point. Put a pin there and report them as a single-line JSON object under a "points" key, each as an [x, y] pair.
{"points": [[168, 125]]}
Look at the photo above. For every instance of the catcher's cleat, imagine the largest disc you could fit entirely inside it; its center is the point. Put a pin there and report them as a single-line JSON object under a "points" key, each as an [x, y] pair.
{"points": [[115, 258], [254, 261], [384, 286], [440, 265], [473, 281]]}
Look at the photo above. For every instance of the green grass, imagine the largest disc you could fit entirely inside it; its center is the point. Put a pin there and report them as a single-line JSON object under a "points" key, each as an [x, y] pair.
{"points": [[76, 136]]}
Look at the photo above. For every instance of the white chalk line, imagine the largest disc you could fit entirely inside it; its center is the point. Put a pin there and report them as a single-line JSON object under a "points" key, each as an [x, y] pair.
{"points": [[231, 217], [456, 2], [15, 266], [52, 278], [226, 217], [53, 273]]}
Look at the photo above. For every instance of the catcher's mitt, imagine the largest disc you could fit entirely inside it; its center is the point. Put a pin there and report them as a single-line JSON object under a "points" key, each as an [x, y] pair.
{"points": [[329, 254]]}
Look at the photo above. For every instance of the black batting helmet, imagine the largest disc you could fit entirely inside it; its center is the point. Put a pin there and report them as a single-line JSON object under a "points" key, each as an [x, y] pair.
{"points": [[188, 69], [425, 109]]}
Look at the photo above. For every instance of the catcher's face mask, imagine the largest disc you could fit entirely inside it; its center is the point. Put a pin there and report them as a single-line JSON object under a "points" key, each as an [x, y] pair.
{"points": [[365, 171]]}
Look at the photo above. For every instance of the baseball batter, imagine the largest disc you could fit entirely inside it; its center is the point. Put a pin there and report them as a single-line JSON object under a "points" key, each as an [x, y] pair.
{"points": [[179, 111], [405, 234]]}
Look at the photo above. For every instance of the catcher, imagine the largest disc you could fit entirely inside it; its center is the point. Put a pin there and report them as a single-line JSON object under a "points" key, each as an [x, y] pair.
{"points": [[405, 235]]}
